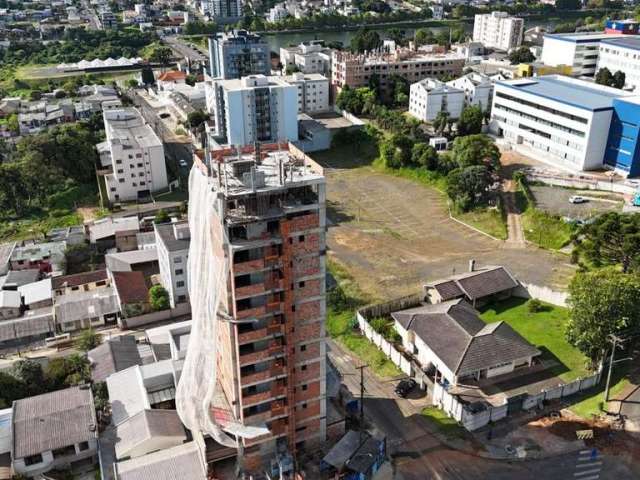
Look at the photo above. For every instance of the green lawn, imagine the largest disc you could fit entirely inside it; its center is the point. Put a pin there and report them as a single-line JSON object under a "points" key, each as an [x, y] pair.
{"points": [[545, 230], [445, 425], [342, 303], [488, 220], [590, 402], [35, 226], [543, 329]]}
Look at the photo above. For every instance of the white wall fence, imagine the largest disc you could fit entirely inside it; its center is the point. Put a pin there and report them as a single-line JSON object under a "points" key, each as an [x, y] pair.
{"points": [[582, 182], [357, 122], [542, 293], [387, 348], [153, 317], [458, 410]]}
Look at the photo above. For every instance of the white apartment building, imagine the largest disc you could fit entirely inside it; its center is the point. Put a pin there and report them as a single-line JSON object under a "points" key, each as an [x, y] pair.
{"points": [[477, 87], [309, 57], [313, 91], [429, 97], [172, 243], [253, 109], [622, 54], [131, 158], [498, 30], [559, 120], [580, 51], [278, 12]]}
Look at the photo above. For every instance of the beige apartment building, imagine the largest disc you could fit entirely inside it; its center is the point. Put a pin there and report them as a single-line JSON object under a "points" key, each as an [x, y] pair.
{"points": [[355, 70], [271, 334]]}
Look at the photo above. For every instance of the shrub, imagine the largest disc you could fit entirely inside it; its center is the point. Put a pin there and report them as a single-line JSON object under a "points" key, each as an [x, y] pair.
{"points": [[534, 305], [379, 325]]}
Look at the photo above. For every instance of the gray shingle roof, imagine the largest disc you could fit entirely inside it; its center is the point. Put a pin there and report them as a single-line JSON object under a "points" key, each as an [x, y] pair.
{"points": [[183, 462], [160, 425], [477, 284], [53, 420], [462, 341], [22, 277], [112, 356]]}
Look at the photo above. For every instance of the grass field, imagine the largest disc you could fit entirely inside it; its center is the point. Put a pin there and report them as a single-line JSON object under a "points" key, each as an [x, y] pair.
{"points": [[589, 403], [545, 330], [541, 228], [488, 220], [342, 302], [443, 424]]}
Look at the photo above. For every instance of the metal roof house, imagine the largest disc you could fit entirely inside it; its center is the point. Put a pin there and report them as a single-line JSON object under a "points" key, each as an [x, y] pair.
{"points": [[54, 430]]}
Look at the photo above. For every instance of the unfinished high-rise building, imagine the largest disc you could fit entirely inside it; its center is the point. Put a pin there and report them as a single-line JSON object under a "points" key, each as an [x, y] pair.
{"points": [[269, 219]]}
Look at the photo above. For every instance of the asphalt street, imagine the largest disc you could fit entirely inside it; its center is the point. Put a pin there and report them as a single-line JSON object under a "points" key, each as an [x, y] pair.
{"points": [[418, 454]]}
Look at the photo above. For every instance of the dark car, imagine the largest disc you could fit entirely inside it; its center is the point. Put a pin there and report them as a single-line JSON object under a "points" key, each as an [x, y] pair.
{"points": [[405, 386]]}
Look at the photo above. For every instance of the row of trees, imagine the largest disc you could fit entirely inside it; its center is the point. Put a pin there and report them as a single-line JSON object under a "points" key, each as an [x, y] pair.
{"points": [[616, 80]]}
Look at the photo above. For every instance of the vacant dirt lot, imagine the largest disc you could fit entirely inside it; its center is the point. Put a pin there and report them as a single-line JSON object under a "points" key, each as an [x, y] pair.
{"points": [[393, 233]]}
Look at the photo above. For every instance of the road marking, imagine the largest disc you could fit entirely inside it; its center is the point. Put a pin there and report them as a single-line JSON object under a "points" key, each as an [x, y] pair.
{"points": [[592, 477], [587, 465], [583, 452], [587, 472]]}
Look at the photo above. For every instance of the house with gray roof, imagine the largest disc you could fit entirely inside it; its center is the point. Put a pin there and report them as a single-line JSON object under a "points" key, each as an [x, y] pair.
{"points": [[113, 355], [172, 243], [477, 286], [183, 461], [451, 338], [149, 431], [37, 295], [10, 303], [78, 310], [55, 430]]}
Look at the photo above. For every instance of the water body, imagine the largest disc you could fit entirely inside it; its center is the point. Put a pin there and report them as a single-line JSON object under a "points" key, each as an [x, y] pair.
{"points": [[279, 39]]}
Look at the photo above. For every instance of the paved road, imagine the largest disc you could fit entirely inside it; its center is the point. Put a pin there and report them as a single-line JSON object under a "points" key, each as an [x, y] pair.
{"points": [[419, 455], [183, 49]]}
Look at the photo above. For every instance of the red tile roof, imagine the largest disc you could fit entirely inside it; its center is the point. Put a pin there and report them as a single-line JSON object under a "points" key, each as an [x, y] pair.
{"points": [[78, 279], [131, 287], [172, 76]]}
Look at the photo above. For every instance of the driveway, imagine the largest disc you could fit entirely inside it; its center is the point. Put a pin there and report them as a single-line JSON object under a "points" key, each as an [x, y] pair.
{"points": [[392, 234], [555, 200]]}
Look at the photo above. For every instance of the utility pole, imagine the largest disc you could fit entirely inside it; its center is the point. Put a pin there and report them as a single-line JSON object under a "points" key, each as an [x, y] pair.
{"points": [[361, 368], [614, 340]]}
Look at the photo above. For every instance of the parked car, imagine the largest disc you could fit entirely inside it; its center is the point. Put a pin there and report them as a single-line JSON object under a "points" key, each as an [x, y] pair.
{"points": [[577, 199], [405, 387]]}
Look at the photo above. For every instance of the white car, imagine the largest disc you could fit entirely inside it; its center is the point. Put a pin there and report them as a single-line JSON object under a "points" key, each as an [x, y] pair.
{"points": [[577, 199]]}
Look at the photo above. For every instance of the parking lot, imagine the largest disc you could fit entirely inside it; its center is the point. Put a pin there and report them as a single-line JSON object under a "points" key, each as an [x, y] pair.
{"points": [[392, 233], [555, 200]]}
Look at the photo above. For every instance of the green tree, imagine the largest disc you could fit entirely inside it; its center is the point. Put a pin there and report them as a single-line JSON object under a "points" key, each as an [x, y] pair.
{"points": [[158, 298], [132, 82], [147, 75], [470, 121], [196, 119], [521, 55], [29, 372], [161, 217], [424, 36], [11, 389], [611, 239], [604, 76], [619, 79], [468, 187], [88, 340], [12, 124], [68, 371], [476, 150], [161, 55], [441, 121], [424, 155], [568, 4], [601, 302], [365, 40]]}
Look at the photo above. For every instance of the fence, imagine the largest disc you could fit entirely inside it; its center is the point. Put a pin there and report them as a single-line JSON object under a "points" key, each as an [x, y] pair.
{"points": [[582, 183], [471, 420], [147, 318], [528, 290]]}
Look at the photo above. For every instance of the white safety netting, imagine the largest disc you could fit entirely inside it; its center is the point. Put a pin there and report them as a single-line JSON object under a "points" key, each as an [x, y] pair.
{"points": [[207, 273]]}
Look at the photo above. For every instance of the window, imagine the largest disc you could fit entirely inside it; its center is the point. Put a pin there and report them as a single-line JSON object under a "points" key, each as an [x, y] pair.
{"points": [[101, 283], [121, 180], [33, 459], [303, 368], [303, 348], [118, 162], [180, 284], [82, 446], [304, 388], [113, 189], [140, 165], [179, 271], [177, 260], [301, 285], [301, 238]]}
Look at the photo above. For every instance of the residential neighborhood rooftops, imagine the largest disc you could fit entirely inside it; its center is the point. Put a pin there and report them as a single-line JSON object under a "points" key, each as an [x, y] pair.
{"points": [[131, 287], [33, 322], [108, 227], [53, 420], [456, 334], [578, 93], [148, 425], [114, 355], [174, 236], [183, 461], [172, 76], [36, 292], [17, 278], [10, 299], [6, 249], [84, 305], [123, 261], [477, 284], [78, 279], [38, 251], [582, 37]]}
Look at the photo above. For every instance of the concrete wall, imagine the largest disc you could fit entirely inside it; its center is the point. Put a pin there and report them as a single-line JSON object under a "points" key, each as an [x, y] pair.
{"points": [[543, 293], [148, 318]]}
